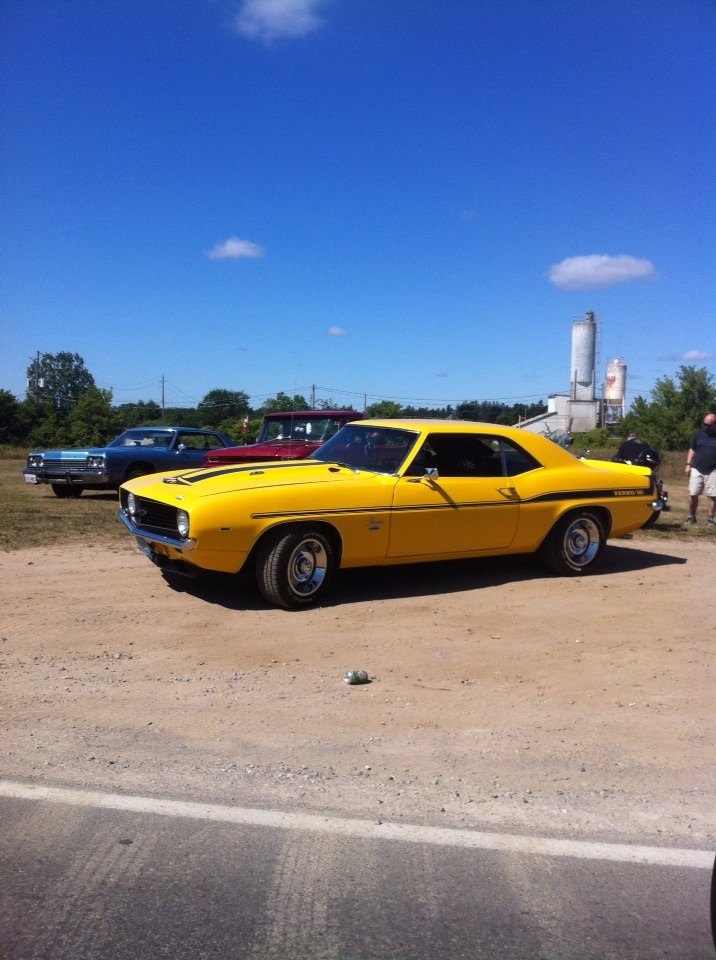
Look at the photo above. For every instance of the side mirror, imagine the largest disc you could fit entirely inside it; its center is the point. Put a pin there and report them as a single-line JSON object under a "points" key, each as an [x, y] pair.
{"points": [[181, 447]]}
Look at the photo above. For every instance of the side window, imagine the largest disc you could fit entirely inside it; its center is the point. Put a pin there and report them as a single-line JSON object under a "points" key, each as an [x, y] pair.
{"points": [[517, 460], [425, 459], [472, 455], [467, 455], [212, 442], [192, 441]]}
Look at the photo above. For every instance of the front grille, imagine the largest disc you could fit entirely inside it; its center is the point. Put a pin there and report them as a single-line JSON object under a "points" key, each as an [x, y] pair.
{"points": [[65, 466], [154, 517]]}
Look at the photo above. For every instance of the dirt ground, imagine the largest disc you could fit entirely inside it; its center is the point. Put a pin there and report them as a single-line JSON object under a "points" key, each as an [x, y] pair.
{"points": [[501, 697]]}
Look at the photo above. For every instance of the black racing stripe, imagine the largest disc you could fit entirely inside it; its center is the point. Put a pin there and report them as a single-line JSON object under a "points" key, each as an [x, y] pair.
{"points": [[572, 498], [359, 511], [584, 496], [208, 473]]}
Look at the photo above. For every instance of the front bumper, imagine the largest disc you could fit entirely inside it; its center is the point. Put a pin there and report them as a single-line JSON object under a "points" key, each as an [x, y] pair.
{"points": [[146, 539], [86, 477]]}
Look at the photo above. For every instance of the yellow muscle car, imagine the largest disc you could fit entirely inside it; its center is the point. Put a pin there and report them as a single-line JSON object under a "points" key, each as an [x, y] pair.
{"points": [[387, 492]]}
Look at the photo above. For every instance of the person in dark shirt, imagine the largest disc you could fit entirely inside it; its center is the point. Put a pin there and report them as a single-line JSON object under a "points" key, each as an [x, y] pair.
{"points": [[631, 448], [701, 469]]}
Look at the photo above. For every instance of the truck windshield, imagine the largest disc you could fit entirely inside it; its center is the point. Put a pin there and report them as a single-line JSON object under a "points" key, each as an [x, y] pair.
{"points": [[316, 429]]}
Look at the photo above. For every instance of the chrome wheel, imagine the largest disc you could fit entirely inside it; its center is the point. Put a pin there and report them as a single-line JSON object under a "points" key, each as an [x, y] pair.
{"points": [[581, 541], [307, 567], [575, 544], [294, 566]]}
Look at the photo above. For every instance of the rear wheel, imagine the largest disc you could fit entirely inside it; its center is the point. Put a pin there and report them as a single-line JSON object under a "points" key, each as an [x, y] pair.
{"points": [[574, 545], [67, 491], [294, 567]]}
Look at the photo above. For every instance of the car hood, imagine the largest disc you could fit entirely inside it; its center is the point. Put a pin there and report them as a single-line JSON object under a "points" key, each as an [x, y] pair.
{"points": [[194, 485], [254, 451], [69, 454]]}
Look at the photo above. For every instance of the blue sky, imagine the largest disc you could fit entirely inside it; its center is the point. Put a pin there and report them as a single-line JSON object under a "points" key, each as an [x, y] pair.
{"points": [[381, 199]]}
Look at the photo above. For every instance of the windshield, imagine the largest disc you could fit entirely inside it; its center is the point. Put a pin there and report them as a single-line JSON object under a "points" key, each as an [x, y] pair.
{"points": [[143, 438], [380, 450], [316, 429]]}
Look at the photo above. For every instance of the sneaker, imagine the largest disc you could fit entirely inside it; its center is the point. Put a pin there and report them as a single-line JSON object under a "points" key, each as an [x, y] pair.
{"points": [[710, 521], [691, 520]]}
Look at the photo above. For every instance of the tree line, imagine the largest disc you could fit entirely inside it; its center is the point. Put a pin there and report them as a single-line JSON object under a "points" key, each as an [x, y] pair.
{"points": [[63, 406]]}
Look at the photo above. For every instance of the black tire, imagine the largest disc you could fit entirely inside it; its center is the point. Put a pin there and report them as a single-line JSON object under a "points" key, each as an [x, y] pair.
{"points": [[652, 520], [67, 491], [575, 544], [135, 472], [294, 567]]}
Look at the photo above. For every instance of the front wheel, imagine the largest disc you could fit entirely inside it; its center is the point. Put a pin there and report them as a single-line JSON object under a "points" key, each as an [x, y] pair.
{"points": [[574, 545], [294, 567], [135, 472], [66, 491]]}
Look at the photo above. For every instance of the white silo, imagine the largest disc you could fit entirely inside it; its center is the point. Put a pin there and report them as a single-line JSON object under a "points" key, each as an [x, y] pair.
{"points": [[615, 390], [584, 347]]}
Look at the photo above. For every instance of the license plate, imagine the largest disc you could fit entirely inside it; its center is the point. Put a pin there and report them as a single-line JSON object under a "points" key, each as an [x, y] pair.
{"points": [[30, 478]]}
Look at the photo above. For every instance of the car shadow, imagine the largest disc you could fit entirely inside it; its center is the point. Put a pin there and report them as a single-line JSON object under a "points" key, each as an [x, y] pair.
{"points": [[414, 580]]}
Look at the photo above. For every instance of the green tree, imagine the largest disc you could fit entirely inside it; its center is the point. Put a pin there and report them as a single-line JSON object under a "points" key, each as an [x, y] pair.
{"points": [[384, 409], [676, 409], [93, 421], [48, 427], [181, 417], [234, 427], [60, 379], [282, 402], [219, 405], [12, 425], [140, 414]]}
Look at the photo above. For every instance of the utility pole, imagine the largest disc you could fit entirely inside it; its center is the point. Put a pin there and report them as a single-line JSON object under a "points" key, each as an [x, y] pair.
{"points": [[162, 396], [36, 383]]}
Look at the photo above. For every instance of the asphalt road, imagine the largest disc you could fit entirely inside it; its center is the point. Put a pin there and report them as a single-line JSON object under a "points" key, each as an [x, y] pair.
{"points": [[101, 877]]}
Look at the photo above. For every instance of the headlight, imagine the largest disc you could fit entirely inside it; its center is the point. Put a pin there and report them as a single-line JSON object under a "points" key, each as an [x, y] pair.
{"points": [[131, 504], [35, 460], [183, 523], [95, 462]]}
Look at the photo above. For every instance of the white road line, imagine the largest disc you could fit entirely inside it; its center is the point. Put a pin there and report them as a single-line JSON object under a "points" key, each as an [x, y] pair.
{"points": [[366, 829]]}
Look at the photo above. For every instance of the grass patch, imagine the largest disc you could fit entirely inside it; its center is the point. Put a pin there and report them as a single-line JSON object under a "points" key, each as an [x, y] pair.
{"points": [[32, 516]]}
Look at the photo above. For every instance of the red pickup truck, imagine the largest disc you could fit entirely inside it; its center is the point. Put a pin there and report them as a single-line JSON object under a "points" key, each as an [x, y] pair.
{"points": [[292, 435]]}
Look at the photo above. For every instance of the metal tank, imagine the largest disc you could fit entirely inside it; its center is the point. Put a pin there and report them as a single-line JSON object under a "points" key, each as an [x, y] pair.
{"points": [[584, 343], [615, 391], [615, 383]]}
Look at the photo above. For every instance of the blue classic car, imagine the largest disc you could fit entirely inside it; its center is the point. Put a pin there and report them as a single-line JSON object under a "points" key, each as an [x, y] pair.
{"points": [[134, 453]]}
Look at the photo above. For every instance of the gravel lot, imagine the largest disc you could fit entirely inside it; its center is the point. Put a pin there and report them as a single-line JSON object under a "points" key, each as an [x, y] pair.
{"points": [[500, 697]]}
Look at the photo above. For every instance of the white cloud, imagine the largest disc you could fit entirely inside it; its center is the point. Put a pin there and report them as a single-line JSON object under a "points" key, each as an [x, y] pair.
{"points": [[599, 270], [690, 356], [336, 332], [269, 19], [236, 249]]}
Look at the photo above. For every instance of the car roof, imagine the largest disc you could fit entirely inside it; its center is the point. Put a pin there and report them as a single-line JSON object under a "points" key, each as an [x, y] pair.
{"points": [[162, 426], [536, 443], [431, 423], [276, 414]]}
